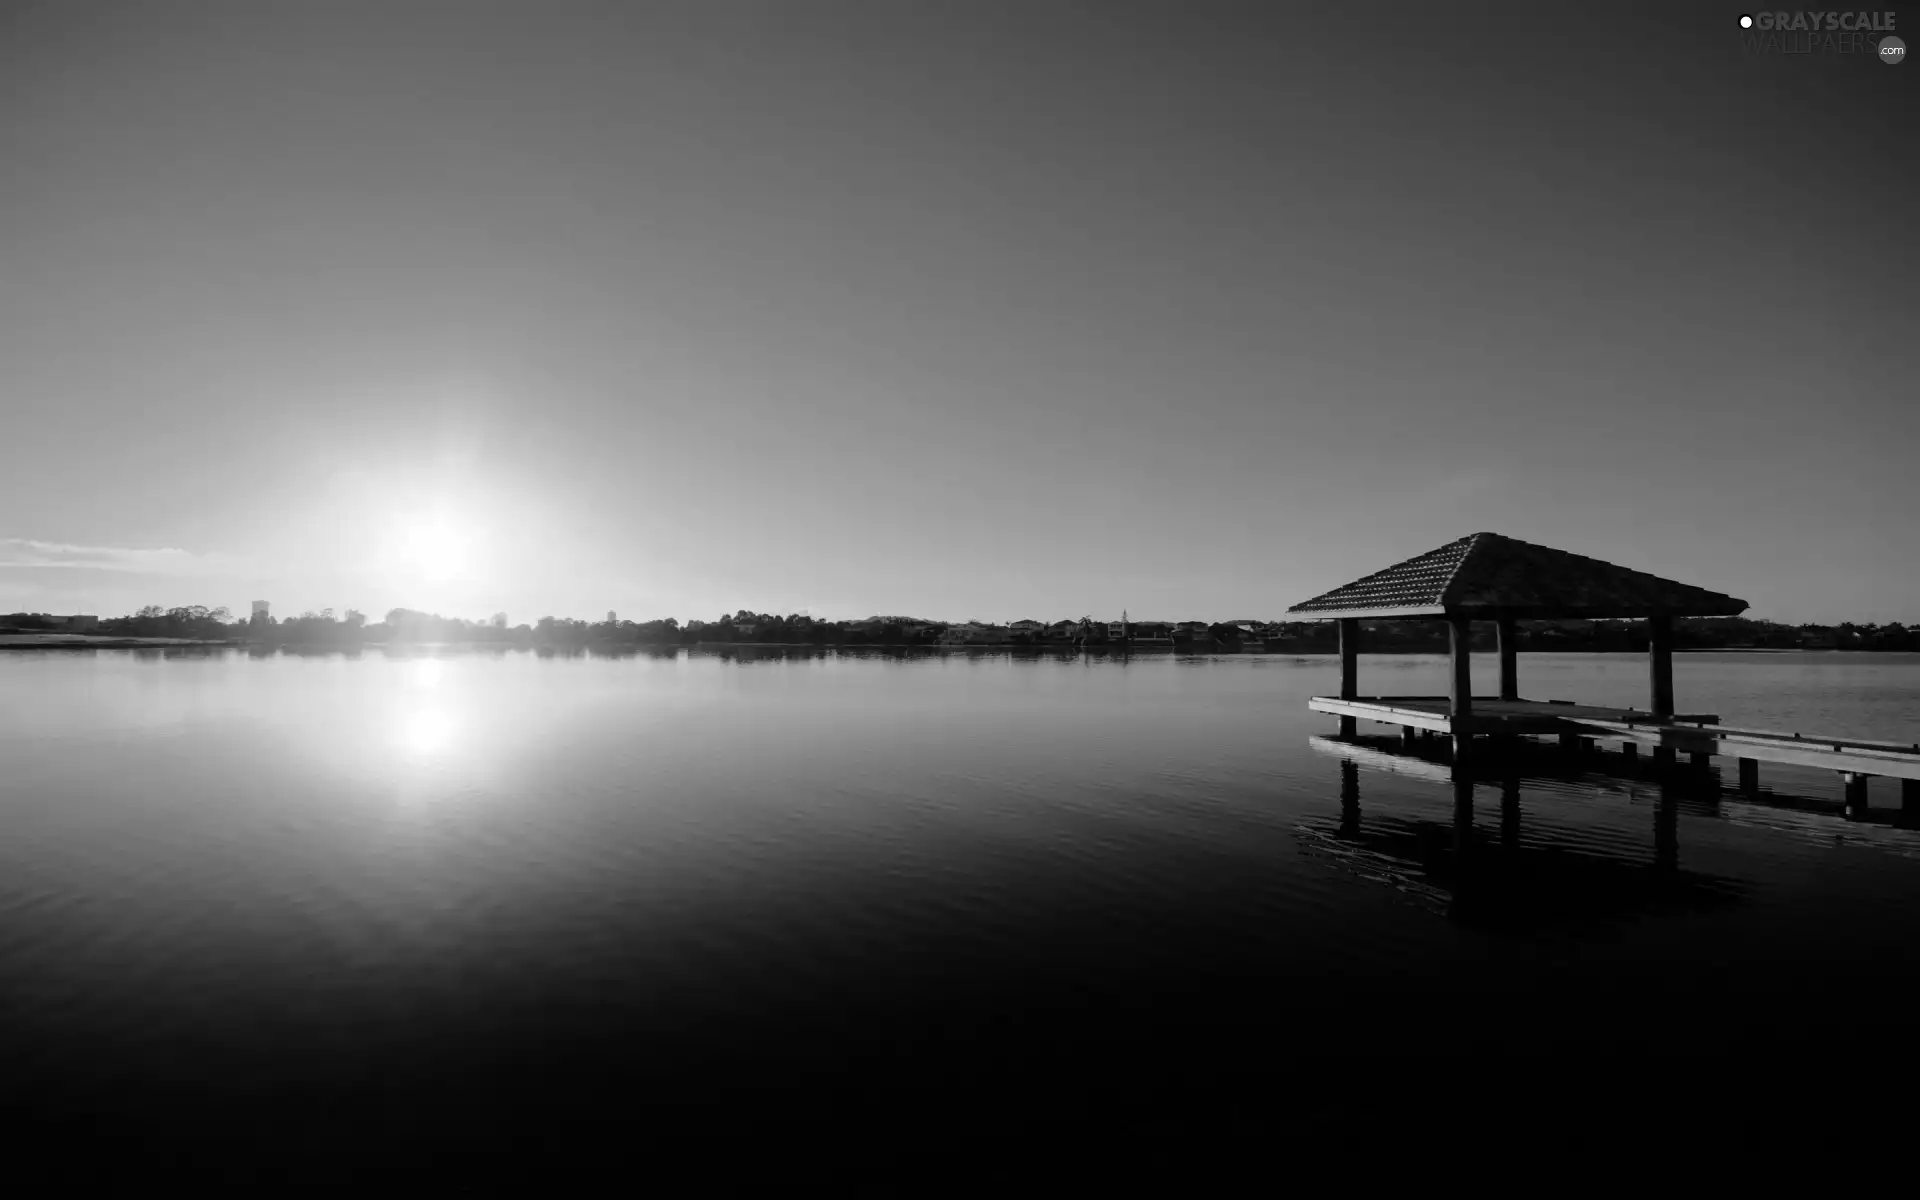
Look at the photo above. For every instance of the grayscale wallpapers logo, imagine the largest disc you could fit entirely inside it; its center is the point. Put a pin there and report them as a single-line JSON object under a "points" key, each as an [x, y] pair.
{"points": [[1861, 33]]}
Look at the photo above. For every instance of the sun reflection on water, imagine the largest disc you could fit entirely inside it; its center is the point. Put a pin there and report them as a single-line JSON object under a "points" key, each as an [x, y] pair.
{"points": [[422, 723], [426, 731]]}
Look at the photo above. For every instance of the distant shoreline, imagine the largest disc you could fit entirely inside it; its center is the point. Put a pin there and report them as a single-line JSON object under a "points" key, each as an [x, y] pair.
{"points": [[71, 641], [68, 641]]}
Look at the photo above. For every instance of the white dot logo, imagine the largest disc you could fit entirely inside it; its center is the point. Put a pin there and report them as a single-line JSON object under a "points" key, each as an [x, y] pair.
{"points": [[1893, 51], [1746, 22]]}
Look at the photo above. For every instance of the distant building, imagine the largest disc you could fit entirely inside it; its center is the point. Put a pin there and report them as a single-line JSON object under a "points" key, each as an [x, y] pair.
{"points": [[610, 617], [76, 624], [260, 610]]}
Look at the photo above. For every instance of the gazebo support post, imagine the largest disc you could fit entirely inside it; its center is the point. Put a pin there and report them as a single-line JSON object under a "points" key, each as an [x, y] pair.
{"points": [[1660, 663], [1349, 669], [1460, 681], [1509, 635]]}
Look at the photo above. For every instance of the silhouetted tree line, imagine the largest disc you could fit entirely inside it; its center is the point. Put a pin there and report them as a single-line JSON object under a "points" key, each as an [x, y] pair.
{"points": [[740, 628], [1690, 633], [193, 621], [404, 625]]}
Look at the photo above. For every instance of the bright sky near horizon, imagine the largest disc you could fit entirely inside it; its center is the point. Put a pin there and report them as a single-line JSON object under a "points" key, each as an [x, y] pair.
{"points": [[974, 310]]}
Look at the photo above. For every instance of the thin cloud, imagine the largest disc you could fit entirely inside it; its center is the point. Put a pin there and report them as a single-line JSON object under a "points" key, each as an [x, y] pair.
{"points": [[26, 552]]}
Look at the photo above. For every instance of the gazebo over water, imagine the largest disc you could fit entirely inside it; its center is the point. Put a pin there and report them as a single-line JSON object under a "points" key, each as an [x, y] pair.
{"points": [[1489, 577]]}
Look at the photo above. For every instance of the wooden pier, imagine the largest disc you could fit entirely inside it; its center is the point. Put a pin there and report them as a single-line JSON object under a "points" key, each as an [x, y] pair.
{"points": [[1489, 577]]}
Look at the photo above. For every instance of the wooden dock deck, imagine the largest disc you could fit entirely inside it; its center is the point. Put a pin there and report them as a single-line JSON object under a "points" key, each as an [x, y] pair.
{"points": [[1699, 735], [1689, 733], [1488, 714]]}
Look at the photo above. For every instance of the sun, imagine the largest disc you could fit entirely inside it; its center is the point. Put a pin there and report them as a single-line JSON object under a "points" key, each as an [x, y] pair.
{"points": [[434, 548]]}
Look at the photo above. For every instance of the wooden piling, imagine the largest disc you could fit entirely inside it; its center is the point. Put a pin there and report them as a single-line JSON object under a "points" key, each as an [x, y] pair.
{"points": [[1910, 803], [1571, 741], [1750, 776], [1509, 642], [1349, 798], [1666, 830], [1664, 756], [1510, 812], [1462, 818], [1854, 784]]}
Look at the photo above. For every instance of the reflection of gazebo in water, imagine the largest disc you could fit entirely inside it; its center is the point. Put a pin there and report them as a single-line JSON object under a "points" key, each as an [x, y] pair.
{"points": [[1498, 879], [1487, 577]]}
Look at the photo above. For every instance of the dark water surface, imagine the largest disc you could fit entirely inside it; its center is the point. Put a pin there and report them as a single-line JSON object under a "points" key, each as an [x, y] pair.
{"points": [[415, 884]]}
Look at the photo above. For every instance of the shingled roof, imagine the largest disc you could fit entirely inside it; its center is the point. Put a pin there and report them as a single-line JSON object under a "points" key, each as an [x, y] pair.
{"points": [[1487, 575]]}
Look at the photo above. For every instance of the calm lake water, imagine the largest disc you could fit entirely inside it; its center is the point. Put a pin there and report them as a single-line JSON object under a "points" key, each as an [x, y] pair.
{"points": [[226, 876]]}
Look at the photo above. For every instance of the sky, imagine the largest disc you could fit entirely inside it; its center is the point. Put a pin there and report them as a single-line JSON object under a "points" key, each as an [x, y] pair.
{"points": [[957, 310]]}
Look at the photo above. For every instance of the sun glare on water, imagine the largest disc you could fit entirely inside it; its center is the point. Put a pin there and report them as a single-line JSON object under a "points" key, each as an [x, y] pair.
{"points": [[422, 723], [426, 731]]}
